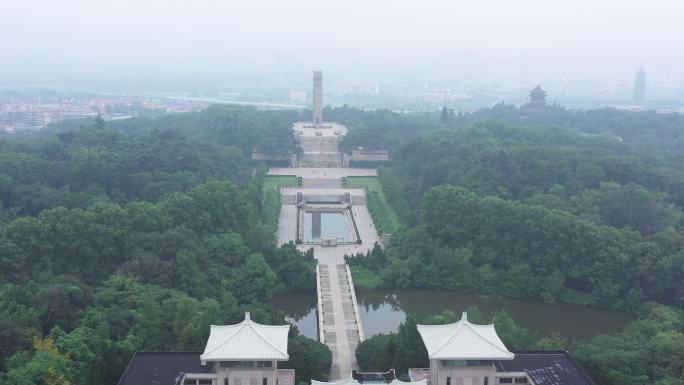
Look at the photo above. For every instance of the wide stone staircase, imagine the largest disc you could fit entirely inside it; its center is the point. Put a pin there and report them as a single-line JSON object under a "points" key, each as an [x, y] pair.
{"points": [[319, 151], [318, 143], [339, 319], [320, 159]]}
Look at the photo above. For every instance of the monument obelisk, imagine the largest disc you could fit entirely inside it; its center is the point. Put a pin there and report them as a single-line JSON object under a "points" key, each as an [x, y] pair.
{"points": [[317, 97]]}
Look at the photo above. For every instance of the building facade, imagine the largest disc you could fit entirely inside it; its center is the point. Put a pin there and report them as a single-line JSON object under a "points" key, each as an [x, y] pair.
{"points": [[242, 354], [460, 353], [358, 378], [463, 353]]}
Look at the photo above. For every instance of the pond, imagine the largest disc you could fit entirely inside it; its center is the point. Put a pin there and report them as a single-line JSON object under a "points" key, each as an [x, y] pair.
{"points": [[325, 225], [383, 310]]}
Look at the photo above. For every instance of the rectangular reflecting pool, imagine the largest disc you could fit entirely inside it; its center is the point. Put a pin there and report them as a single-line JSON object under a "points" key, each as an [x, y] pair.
{"points": [[325, 225]]}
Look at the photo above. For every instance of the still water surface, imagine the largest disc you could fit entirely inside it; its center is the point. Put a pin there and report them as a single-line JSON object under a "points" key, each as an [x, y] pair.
{"points": [[333, 226], [383, 310]]}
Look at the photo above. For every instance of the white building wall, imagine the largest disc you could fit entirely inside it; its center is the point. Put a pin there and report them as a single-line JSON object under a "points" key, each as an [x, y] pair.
{"points": [[246, 376], [461, 375]]}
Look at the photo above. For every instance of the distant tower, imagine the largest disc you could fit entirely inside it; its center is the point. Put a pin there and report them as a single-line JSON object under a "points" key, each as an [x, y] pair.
{"points": [[318, 97], [640, 87], [537, 98], [444, 117], [537, 102]]}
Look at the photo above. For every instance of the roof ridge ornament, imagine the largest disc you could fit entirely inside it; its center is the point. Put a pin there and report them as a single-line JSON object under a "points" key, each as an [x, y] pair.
{"points": [[464, 316]]}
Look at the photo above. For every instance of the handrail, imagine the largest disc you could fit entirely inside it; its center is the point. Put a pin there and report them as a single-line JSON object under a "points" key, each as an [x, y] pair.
{"points": [[321, 333], [355, 305]]}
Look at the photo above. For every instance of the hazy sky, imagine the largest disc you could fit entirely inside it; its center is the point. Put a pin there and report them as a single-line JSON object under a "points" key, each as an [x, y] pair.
{"points": [[481, 40]]}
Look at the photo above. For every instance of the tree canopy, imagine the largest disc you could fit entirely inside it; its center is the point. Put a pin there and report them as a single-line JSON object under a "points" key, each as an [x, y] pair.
{"points": [[137, 235]]}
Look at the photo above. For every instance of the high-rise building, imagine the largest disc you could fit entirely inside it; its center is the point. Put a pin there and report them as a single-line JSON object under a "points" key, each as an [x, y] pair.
{"points": [[318, 97], [640, 87]]}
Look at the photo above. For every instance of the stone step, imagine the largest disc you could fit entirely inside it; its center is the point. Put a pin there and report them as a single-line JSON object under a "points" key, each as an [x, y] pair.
{"points": [[322, 182], [324, 159]]}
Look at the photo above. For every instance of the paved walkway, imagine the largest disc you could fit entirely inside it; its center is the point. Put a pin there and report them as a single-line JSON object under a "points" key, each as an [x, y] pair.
{"points": [[322, 173], [339, 322], [340, 329]]}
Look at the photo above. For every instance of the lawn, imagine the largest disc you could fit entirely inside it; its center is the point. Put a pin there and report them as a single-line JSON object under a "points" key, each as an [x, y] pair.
{"points": [[373, 185], [270, 209], [272, 182]]}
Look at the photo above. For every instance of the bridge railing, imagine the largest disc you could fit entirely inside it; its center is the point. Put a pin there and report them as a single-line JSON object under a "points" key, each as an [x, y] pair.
{"points": [[355, 306]]}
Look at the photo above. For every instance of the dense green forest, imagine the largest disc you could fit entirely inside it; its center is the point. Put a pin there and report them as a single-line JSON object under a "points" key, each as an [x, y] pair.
{"points": [[558, 206], [138, 235], [546, 213]]}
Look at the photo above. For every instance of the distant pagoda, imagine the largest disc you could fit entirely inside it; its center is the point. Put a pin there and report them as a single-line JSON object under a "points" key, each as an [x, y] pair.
{"points": [[537, 100]]}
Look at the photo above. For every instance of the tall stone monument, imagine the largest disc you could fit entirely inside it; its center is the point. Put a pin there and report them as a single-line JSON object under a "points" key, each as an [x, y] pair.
{"points": [[318, 97]]}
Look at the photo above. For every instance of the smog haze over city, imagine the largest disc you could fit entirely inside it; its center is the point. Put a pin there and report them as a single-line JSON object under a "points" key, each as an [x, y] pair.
{"points": [[582, 51], [364, 38], [428, 40]]}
